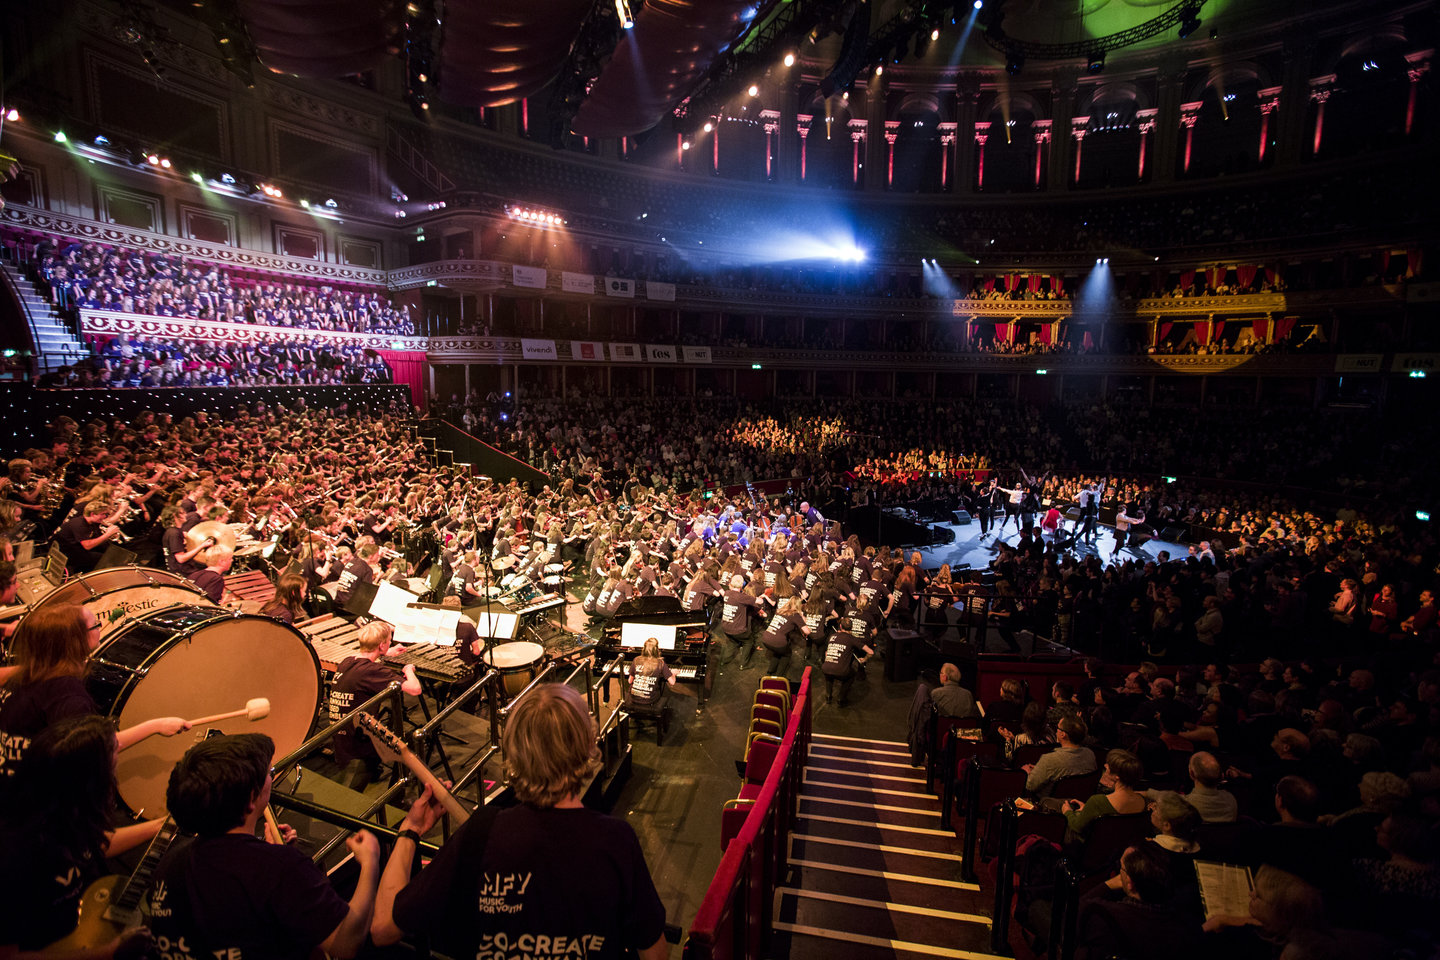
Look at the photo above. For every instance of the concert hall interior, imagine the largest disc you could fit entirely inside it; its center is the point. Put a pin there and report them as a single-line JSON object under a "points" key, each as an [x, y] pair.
{"points": [[731, 479]]}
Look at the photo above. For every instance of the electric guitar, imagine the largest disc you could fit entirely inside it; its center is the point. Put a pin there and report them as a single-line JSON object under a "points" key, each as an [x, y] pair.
{"points": [[391, 749], [111, 905]]}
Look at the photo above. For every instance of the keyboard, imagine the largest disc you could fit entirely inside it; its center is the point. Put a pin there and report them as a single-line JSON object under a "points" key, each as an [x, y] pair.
{"points": [[432, 662]]}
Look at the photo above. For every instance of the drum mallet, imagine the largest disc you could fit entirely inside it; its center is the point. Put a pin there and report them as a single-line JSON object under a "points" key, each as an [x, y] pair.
{"points": [[257, 709]]}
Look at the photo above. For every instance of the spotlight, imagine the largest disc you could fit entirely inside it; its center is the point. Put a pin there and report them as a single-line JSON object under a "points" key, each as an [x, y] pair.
{"points": [[622, 10], [935, 34], [101, 140], [227, 179], [879, 69], [789, 59], [709, 126], [1096, 63], [331, 203], [165, 163], [1189, 21], [60, 137], [685, 145], [153, 160], [1014, 62], [12, 115], [197, 178], [754, 90], [979, 4]]}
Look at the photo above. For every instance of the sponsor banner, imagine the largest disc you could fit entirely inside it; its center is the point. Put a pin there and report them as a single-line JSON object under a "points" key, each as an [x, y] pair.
{"points": [[660, 353], [1424, 362], [587, 350], [625, 352], [695, 354], [655, 290], [577, 282], [620, 287], [537, 349], [1359, 362], [533, 277]]}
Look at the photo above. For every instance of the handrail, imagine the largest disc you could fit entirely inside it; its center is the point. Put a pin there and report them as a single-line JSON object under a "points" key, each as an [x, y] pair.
{"points": [[1004, 878], [734, 917], [392, 690], [24, 309], [972, 818]]}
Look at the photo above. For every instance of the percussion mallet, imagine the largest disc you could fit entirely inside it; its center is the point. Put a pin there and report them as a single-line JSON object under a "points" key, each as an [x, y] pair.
{"points": [[256, 709]]}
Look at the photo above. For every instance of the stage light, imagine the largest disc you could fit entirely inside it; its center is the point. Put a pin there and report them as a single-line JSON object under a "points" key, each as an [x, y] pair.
{"points": [[1417, 374], [789, 59], [1189, 21], [879, 69], [1014, 62], [165, 162], [305, 204], [197, 178], [935, 34], [12, 115], [754, 90], [1096, 63], [979, 4], [1041, 371], [331, 203], [685, 145], [1422, 515], [709, 126], [101, 140], [60, 137], [227, 179], [622, 11]]}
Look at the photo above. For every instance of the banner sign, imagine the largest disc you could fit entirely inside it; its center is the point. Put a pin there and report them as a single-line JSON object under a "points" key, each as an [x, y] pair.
{"points": [[533, 277], [655, 290], [1424, 362], [577, 282], [537, 349], [625, 352], [696, 354], [587, 350], [657, 353], [1358, 362], [620, 287]]}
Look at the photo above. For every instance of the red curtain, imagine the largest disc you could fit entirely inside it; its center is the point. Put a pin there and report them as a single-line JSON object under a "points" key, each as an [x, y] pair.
{"points": [[1187, 278], [1216, 276], [1202, 332], [1414, 261], [1035, 279], [1045, 329], [1270, 274], [1260, 328], [1217, 329], [1011, 282], [1057, 284], [1245, 273], [409, 369], [1088, 341], [1283, 326], [990, 284], [1384, 263], [1163, 331]]}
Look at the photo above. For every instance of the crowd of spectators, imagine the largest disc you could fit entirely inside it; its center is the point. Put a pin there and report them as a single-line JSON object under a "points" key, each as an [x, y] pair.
{"points": [[130, 361], [111, 277]]}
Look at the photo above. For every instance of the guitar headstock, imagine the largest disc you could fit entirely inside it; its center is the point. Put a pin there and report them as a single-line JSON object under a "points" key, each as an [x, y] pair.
{"points": [[387, 744]]}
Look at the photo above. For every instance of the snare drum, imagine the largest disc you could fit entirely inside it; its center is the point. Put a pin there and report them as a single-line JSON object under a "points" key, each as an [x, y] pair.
{"points": [[518, 662], [192, 662], [118, 595]]}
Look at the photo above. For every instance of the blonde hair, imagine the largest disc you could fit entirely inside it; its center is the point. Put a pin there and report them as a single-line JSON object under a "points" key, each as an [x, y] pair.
{"points": [[52, 642], [373, 634], [549, 744]]}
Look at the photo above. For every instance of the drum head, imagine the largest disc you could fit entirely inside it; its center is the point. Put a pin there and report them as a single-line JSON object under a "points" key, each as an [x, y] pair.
{"points": [[87, 585], [215, 667], [517, 653], [116, 609]]}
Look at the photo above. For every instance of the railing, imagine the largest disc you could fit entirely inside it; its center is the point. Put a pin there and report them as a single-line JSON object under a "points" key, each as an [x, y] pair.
{"points": [[488, 460], [24, 309], [734, 919]]}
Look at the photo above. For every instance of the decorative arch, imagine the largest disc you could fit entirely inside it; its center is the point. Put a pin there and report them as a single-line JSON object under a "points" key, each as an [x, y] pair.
{"points": [[1114, 92], [1017, 101], [918, 103], [1225, 76]]}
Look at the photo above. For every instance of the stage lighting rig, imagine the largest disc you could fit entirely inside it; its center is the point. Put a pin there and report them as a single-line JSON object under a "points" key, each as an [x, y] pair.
{"points": [[1184, 14]]}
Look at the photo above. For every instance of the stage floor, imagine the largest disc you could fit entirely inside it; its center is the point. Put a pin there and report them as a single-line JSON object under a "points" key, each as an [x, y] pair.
{"points": [[969, 548]]}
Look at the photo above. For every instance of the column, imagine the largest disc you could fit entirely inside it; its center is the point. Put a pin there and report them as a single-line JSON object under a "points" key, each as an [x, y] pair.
{"points": [[1062, 97], [1077, 133], [892, 133], [1298, 52], [857, 149], [771, 120], [967, 99], [802, 128], [947, 150], [1145, 123], [786, 149], [1416, 66], [1269, 103], [1320, 90], [877, 89], [1167, 120], [1041, 130], [1189, 116], [982, 133]]}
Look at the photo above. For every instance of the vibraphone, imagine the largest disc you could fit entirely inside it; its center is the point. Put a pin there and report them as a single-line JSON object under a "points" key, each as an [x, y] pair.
{"points": [[252, 587], [334, 639]]}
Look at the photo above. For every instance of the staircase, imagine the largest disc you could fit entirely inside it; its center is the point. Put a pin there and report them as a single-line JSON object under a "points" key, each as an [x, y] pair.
{"points": [[54, 345], [875, 874]]}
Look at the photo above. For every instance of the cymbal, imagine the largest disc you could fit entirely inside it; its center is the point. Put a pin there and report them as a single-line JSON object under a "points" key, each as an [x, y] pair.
{"points": [[210, 530]]}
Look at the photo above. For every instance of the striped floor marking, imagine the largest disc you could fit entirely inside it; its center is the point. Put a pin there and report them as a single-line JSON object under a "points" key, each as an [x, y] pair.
{"points": [[881, 905], [927, 831], [856, 786], [832, 747], [918, 811], [868, 763], [863, 773], [904, 747], [887, 875], [910, 851], [898, 945]]}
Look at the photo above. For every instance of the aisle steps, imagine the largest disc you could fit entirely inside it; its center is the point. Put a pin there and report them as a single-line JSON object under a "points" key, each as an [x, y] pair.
{"points": [[873, 876]]}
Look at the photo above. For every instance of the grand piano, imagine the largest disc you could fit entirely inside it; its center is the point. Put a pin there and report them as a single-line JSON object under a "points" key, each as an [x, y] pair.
{"points": [[691, 657]]}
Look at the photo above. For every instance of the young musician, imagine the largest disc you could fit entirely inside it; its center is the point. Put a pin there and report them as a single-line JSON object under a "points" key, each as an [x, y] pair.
{"points": [[547, 869], [83, 538], [231, 894], [357, 679]]}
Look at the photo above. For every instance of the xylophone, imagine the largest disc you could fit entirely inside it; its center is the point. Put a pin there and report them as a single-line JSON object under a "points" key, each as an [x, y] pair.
{"points": [[252, 587], [334, 639]]}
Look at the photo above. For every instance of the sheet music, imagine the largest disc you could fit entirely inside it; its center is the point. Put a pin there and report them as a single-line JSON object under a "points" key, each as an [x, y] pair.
{"points": [[427, 625], [1224, 888]]}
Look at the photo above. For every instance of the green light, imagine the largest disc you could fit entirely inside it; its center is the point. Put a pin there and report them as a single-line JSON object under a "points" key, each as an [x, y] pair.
{"points": [[197, 178], [1042, 371], [60, 137], [1169, 479], [754, 366]]}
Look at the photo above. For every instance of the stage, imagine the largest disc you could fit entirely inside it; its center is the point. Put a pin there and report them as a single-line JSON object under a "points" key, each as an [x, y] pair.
{"points": [[969, 548]]}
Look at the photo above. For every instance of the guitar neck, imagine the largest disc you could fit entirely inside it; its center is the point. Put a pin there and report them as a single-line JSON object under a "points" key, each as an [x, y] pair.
{"points": [[125, 908], [452, 806]]}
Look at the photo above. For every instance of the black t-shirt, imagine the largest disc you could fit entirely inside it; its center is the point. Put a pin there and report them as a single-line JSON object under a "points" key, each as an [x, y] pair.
{"points": [[356, 571], [26, 711], [610, 598], [212, 582], [465, 637], [646, 689], [72, 532], [540, 883], [310, 570], [40, 888], [356, 680], [461, 580], [735, 616], [840, 654], [172, 541], [238, 896], [697, 593], [778, 634]]}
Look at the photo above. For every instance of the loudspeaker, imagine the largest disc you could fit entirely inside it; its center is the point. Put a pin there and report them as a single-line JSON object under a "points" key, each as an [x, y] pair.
{"points": [[942, 535], [962, 517], [902, 656], [115, 556], [1173, 534]]}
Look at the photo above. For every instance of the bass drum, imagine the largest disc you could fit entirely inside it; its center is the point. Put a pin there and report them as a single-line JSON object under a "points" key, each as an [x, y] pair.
{"points": [[117, 595], [193, 662]]}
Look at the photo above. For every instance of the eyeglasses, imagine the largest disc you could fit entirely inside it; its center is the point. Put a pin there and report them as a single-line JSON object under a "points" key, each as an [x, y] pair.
{"points": [[93, 627]]}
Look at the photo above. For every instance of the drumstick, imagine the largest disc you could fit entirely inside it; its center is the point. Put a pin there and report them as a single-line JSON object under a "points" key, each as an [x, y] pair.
{"points": [[256, 709]]}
